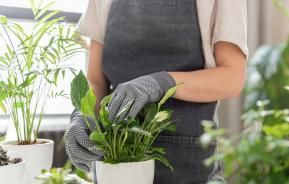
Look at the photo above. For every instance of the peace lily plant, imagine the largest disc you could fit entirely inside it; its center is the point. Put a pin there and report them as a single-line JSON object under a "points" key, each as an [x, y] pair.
{"points": [[32, 63], [129, 141]]}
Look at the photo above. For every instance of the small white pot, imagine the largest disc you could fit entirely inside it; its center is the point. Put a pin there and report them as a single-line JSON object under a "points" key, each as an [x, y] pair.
{"points": [[124, 173], [37, 156], [12, 174]]}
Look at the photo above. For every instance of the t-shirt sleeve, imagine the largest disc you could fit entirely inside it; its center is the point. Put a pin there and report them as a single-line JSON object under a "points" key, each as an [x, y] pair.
{"points": [[230, 23], [90, 23]]}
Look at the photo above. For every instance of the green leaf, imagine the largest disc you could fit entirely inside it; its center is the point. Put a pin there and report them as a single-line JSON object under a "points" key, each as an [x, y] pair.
{"points": [[171, 127], [33, 7], [149, 111], [63, 74], [125, 109], [139, 130], [159, 150], [103, 115], [167, 95], [4, 61], [28, 80], [88, 104], [3, 19], [2, 106], [164, 126], [160, 158], [18, 104], [43, 10], [105, 100], [56, 74], [79, 88], [47, 17], [98, 137]]}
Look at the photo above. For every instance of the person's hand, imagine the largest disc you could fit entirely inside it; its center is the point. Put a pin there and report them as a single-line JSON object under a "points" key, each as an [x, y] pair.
{"points": [[142, 90], [79, 148]]}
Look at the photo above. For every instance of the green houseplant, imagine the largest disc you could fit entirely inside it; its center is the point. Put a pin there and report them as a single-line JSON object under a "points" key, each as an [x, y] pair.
{"points": [[125, 143], [32, 62], [260, 154], [267, 76], [11, 169], [268, 72]]}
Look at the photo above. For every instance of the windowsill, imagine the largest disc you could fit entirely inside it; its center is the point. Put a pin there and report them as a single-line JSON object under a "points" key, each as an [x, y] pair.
{"points": [[50, 122]]}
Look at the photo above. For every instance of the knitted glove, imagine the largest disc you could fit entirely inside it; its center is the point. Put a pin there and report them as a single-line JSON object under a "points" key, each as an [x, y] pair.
{"points": [[142, 90], [79, 148]]}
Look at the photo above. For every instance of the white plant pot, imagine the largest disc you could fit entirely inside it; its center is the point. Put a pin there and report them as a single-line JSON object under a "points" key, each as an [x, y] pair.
{"points": [[124, 173], [12, 174], [37, 157]]}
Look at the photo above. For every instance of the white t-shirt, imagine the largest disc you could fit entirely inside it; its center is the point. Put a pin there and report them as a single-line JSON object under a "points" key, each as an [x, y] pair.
{"points": [[220, 20]]}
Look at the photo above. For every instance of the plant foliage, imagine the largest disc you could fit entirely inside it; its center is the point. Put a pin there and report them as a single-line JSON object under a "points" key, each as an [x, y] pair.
{"points": [[130, 140], [59, 176], [31, 66], [260, 154], [268, 72]]}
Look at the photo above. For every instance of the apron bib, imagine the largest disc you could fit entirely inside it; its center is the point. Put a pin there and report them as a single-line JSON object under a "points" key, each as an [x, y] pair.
{"points": [[147, 36]]}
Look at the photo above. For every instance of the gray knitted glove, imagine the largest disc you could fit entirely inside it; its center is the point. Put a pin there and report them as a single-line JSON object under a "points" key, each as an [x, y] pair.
{"points": [[142, 90], [79, 148]]}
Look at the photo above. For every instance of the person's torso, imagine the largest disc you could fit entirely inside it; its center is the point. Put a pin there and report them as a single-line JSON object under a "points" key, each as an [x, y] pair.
{"points": [[147, 36]]}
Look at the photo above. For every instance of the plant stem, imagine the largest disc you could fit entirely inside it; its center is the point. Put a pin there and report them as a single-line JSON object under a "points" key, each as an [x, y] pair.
{"points": [[281, 6], [18, 64], [114, 141]]}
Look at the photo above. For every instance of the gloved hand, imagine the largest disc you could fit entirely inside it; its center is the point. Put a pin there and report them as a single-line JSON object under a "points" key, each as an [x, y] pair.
{"points": [[142, 90], [79, 148]]}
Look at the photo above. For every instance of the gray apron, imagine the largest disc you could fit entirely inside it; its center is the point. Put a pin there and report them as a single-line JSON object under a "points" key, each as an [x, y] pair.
{"points": [[146, 36]]}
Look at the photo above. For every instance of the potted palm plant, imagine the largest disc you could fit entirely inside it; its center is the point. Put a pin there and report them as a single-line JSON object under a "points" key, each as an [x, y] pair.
{"points": [[11, 169], [129, 154], [31, 65]]}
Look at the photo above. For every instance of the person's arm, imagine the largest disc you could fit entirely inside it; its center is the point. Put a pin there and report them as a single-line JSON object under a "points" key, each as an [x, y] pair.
{"points": [[80, 149], [95, 75], [224, 81]]}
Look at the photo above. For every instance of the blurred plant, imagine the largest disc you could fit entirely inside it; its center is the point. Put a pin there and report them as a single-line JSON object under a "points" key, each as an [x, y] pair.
{"points": [[80, 173], [2, 138], [59, 176], [260, 154], [280, 4], [31, 64], [268, 72]]}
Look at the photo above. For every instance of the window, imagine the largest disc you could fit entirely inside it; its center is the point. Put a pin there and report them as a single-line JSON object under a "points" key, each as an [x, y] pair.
{"points": [[76, 7]]}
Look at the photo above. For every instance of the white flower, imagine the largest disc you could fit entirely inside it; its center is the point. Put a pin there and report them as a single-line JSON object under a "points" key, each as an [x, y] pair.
{"points": [[161, 116]]}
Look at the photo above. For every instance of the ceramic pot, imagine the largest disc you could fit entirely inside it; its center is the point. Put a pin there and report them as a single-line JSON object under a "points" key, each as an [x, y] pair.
{"points": [[38, 156], [124, 173], [13, 174]]}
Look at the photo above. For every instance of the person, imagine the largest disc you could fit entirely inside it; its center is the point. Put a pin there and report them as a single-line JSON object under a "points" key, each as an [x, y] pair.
{"points": [[141, 48]]}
